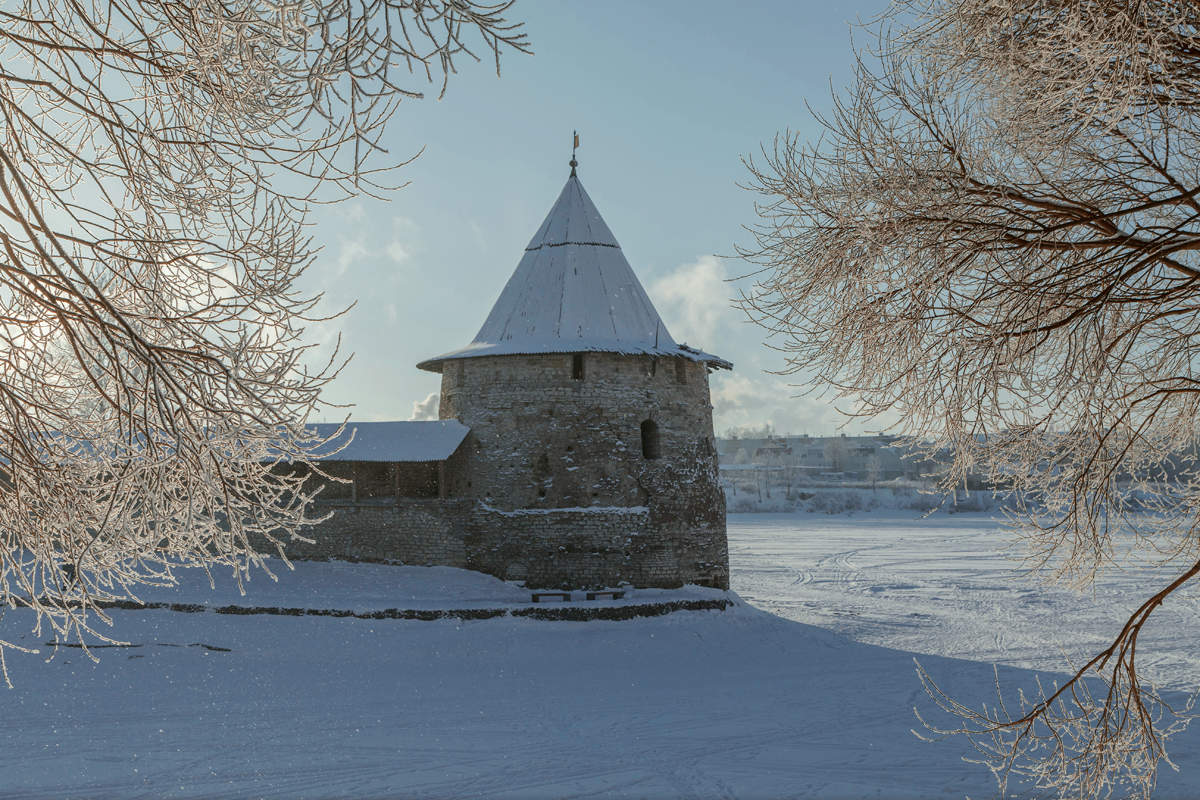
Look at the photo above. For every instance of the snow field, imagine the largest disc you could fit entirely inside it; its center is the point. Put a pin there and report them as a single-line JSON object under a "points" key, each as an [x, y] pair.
{"points": [[735, 704], [952, 585], [695, 704]]}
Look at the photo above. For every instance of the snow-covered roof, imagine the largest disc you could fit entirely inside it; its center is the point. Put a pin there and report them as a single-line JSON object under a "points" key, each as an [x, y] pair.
{"points": [[573, 291], [391, 441]]}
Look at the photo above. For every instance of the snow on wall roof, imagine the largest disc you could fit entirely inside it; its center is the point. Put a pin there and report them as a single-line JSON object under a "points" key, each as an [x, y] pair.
{"points": [[434, 440], [573, 291]]}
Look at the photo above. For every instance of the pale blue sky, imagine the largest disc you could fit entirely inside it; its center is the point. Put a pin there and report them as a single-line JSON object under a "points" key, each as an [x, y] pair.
{"points": [[667, 97]]}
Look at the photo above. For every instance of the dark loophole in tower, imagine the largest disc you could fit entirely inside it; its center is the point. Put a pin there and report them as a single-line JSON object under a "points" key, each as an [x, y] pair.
{"points": [[650, 439], [577, 366]]}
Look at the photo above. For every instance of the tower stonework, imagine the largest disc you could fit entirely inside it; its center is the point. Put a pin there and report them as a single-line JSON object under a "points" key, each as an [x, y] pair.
{"points": [[590, 459], [566, 493]]}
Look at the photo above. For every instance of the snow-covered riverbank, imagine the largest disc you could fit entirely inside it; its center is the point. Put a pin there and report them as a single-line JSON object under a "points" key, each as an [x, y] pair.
{"points": [[771, 698]]}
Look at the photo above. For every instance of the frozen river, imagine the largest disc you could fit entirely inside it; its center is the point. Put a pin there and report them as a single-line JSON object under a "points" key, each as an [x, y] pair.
{"points": [[944, 585]]}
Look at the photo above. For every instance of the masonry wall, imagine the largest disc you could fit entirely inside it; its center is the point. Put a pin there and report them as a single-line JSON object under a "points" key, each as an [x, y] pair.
{"points": [[547, 548], [543, 442], [543, 548], [413, 531]]}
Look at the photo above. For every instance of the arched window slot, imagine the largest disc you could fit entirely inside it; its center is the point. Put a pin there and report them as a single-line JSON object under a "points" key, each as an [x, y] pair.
{"points": [[577, 366], [650, 448]]}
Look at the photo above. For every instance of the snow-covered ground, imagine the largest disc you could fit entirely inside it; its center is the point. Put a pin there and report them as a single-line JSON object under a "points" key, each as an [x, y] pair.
{"points": [[797, 693], [951, 584]]}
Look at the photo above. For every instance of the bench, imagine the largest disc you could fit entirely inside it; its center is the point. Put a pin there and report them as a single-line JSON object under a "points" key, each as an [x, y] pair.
{"points": [[615, 594], [564, 596]]}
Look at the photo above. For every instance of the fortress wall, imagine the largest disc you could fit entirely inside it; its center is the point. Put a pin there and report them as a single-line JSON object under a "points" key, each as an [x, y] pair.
{"points": [[561, 549], [552, 485], [414, 531], [592, 548], [553, 548]]}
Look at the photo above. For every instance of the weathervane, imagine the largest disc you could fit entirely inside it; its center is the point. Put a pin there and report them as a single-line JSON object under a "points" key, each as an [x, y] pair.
{"points": [[574, 147]]}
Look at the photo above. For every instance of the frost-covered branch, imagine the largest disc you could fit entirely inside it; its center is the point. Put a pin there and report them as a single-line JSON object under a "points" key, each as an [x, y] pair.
{"points": [[157, 162], [996, 242], [1071, 738]]}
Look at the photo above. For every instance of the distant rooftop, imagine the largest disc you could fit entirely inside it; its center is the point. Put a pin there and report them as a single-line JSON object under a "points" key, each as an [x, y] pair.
{"points": [[573, 291]]}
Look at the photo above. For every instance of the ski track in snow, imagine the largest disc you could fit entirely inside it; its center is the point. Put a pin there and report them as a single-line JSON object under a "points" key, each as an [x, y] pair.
{"points": [[733, 705]]}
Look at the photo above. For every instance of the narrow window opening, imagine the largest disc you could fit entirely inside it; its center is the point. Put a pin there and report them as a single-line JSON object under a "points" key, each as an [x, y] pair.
{"points": [[577, 367], [653, 367], [650, 439], [541, 474], [680, 370]]}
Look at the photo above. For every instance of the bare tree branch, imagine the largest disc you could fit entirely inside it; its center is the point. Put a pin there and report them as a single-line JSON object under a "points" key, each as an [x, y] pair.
{"points": [[157, 164], [997, 241]]}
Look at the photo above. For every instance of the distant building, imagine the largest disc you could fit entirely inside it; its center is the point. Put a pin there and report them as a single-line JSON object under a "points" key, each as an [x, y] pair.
{"points": [[575, 443], [861, 457]]}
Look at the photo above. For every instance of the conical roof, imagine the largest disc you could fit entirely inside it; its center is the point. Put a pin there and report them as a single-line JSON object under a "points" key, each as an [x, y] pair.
{"points": [[573, 291]]}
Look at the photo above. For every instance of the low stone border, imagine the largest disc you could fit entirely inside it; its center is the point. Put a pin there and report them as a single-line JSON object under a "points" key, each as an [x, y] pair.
{"points": [[570, 614], [560, 614]]}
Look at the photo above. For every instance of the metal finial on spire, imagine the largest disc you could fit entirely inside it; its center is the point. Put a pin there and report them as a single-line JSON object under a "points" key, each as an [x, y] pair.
{"points": [[574, 147]]}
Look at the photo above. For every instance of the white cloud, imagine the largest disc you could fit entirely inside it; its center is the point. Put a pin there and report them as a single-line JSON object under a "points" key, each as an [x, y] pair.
{"points": [[694, 300], [427, 408], [352, 212], [361, 246], [478, 234], [751, 400], [397, 252], [735, 392], [350, 252], [405, 239]]}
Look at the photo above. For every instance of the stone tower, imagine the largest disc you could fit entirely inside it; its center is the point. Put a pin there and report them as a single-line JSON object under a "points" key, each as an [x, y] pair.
{"points": [[590, 457]]}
